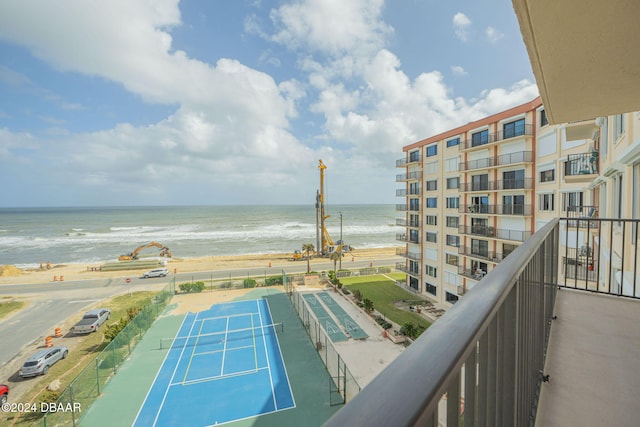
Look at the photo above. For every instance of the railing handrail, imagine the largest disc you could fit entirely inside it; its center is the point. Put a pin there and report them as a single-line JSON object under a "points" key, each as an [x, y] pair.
{"points": [[407, 392]]}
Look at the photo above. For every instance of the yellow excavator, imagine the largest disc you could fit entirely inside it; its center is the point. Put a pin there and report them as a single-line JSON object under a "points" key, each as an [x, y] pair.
{"points": [[164, 251]]}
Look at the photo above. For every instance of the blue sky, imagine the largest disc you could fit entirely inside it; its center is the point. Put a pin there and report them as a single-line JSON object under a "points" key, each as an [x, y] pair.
{"points": [[169, 102]]}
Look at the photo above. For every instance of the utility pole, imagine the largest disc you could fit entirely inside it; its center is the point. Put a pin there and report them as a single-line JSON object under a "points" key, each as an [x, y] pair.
{"points": [[341, 242]]}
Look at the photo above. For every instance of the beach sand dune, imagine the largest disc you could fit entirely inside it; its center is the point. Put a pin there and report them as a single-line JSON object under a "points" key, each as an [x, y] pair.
{"points": [[12, 275]]}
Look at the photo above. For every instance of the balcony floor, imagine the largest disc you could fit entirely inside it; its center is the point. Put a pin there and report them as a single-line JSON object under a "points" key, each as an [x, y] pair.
{"points": [[593, 362]]}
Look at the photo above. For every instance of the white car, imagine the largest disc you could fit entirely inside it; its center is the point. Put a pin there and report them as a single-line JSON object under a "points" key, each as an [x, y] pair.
{"points": [[158, 272], [39, 363]]}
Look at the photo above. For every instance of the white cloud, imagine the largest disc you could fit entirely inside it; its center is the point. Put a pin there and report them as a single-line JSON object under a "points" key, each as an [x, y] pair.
{"points": [[461, 24], [493, 35], [334, 27], [458, 70]]}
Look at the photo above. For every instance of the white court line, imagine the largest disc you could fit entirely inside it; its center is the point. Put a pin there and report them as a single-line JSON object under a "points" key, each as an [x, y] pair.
{"points": [[220, 351], [224, 317], [266, 355], [224, 349], [174, 373], [157, 373], [219, 377]]}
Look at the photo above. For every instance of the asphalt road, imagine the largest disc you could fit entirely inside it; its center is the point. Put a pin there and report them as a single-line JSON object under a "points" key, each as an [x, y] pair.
{"points": [[52, 303]]}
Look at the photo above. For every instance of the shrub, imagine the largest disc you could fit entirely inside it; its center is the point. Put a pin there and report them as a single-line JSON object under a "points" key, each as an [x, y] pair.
{"points": [[345, 291], [380, 321], [357, 295], [368, 305], [273, 281], [412, 331], [249, 283], [192, 287]]}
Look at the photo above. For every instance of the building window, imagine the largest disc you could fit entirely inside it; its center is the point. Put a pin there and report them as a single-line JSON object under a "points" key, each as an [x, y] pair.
{"points": [[548, 176], [618, 126], [432, 185], [414, 283], [451, 259], [414, 204], [513, 179], [513, 129], [480, 182], [547, 202], [453, 221], [432, 150], [451, 165], [414, 221], [453, 142], [414, 188], [453, 240], [480, 247], [507, 249], [451, 298], [572, 201], [617, 196], [431, 237], [414, 267], [453, 183], [453, 202], [431, 220], [431, 168], [431, 289], [480, 138], [432, 202], [430, 270], [414, 156], [414, 236], [543, 118]]}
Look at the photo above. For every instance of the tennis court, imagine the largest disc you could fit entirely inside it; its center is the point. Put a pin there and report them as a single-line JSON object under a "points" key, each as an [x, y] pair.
{"points": [[226, 362]]}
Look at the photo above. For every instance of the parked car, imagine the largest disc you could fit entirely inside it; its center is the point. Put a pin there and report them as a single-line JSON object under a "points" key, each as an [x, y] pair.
{"points": [[91, 321], [158, 272], [42, 360], [4, 392]]}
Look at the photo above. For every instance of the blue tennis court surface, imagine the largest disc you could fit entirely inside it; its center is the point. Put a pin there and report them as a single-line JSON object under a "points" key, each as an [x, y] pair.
{"points": [[224, 365]]}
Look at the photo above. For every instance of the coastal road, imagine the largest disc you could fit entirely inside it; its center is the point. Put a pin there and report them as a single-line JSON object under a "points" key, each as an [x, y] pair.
{"points": [[50, 304]]}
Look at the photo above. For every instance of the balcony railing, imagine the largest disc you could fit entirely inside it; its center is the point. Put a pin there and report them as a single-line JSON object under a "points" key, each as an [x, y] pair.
{"points": [[480, 254], [526, 129], [403, 267], [581, 164], [486, 373], [502, 160], [401, 207], [408, 176], [505, 184], [408, 254], [496, 209]]}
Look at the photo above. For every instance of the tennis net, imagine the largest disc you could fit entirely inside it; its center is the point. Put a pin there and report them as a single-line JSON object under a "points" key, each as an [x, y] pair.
{"points": [[222, 336]]}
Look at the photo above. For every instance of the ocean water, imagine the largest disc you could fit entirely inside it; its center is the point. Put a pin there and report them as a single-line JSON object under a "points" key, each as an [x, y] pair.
{"points": [[29, 236]]}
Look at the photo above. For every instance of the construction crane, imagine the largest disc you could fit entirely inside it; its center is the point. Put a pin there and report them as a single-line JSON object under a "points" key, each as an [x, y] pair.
{"points": [[324, 242], [164, 251]]}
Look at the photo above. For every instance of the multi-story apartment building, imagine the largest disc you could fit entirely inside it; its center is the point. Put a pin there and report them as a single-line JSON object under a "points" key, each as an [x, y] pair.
{"points": [[475, 193]]}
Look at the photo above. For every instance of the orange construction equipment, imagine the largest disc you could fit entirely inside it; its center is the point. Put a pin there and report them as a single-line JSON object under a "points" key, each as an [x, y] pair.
{"points": [[48, 342], [58, 332]]}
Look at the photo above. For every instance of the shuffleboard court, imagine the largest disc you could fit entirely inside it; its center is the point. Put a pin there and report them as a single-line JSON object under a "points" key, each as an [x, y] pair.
{"points": [[328, 324], [349, 324], [225, 361]]}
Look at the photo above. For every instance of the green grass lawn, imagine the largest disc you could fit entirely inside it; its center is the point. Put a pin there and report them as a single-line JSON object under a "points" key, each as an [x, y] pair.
{"points": [[7, 306], [384, 293]]}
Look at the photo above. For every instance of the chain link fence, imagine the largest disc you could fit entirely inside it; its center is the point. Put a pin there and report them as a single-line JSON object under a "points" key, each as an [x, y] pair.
{"points": [[87, 386]]}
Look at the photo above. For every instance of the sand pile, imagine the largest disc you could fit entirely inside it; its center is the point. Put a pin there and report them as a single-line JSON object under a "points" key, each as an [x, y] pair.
{"points": [[10, 270]]}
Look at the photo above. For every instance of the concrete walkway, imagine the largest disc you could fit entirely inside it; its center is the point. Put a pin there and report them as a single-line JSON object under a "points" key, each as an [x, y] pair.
{"points": [[593, 362]]}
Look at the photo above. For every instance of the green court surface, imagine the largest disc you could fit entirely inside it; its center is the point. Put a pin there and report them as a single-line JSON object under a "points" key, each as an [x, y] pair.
{"points": [[349, 324], [330, 327], [124, 394]]}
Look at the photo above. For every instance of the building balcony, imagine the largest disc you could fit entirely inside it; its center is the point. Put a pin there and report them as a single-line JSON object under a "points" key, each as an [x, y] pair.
{"points": [[493, 162], [400, 266], [400, 163], [491, 232], [510, 362], [581, 129], [481, 209], [408, 254], [505, 184], [491, 138], [581, 167], [411, 176], [480, 254], [402, 237], [402, 207]]}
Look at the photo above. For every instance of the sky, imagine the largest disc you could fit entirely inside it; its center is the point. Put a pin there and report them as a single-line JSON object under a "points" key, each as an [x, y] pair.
{"points": [[227, 102]]}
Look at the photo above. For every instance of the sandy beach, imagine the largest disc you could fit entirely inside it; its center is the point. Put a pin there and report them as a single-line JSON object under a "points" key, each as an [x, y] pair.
{"points": [[12, 275]]}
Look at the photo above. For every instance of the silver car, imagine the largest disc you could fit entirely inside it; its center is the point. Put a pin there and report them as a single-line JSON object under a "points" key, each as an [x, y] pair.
{"points": [[158, 272], [39, 363]]}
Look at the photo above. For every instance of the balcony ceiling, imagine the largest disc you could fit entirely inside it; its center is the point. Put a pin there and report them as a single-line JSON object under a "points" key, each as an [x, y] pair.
{"points": [[584, 55]]}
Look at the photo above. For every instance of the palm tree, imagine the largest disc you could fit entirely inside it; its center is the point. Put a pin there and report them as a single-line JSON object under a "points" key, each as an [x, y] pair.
{"points": [[335, 256], [307, 250]]}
